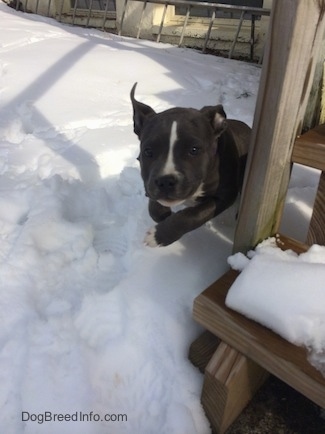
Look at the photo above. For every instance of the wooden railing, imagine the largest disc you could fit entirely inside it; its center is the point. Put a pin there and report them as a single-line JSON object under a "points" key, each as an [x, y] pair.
{"points": [[245, 12], [107, 11]]}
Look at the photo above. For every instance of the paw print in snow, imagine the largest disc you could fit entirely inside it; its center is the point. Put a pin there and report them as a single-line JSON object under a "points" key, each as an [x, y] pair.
{"points": [[111, 239], [100, 319]]}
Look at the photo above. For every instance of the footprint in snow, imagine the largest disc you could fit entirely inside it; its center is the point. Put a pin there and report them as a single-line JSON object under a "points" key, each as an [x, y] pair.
{"points": [[111, 239], [26, 114], [100, 319]]}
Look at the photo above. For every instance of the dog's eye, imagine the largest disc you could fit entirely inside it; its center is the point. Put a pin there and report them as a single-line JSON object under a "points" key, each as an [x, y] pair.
{"points": [[147, 152], [194, 150]]}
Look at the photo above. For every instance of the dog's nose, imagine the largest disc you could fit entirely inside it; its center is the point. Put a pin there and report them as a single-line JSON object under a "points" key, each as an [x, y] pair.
{"points": [[166, 183]]}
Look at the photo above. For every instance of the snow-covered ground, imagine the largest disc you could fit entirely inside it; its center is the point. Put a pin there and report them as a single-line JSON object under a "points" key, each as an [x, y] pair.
{"points": [[92, 322]]}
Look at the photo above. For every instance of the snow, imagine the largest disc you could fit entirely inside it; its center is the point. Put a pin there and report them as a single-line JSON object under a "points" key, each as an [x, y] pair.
{"points": [[93, 322], [285, 292]]}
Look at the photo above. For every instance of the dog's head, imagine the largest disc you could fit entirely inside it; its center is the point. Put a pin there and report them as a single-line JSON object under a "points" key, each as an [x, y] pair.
{"points": [[177, 148]]}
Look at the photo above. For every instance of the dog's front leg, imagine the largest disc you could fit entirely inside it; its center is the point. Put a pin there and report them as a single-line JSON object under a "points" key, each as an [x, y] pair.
{"points": [[179, 223], [158, 212]]}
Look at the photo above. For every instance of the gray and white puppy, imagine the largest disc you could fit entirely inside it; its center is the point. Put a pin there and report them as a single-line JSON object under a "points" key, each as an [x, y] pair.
{"points": [[191, 157]]}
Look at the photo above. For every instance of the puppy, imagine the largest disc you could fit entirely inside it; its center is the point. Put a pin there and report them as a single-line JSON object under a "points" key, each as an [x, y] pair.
{"points": [[192, 157]]}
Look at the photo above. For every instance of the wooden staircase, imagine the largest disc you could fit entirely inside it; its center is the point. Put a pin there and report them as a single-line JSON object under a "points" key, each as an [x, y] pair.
{"points": [[248, 352]]}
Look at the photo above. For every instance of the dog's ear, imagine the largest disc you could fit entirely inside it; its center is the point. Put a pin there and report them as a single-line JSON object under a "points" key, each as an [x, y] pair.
{"points": [[217, 118], [141, 112]]}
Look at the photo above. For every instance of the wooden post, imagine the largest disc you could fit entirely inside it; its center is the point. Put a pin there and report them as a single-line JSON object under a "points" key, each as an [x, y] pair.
{"points": [[230, 382], [322, 112], [202, 349], [295, 35], [314, 107]]}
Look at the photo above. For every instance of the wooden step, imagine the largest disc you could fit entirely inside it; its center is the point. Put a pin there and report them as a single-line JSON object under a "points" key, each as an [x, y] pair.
{"points": [[309, 149], [279, 357]]}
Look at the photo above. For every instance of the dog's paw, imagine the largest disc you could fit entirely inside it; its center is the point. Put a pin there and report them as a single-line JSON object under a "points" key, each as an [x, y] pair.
{"points": [[164, 233], [150, 238]]}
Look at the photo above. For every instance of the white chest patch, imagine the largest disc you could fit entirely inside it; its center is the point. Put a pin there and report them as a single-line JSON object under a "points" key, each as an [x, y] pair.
{"points": [[170, 168]]}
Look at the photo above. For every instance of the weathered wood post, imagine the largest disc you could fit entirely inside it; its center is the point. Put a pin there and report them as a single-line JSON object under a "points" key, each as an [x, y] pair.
{"points": [[295, 36]]}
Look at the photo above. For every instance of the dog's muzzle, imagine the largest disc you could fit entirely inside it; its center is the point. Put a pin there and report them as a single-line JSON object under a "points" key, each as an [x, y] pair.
{"points": [[169, 190], [166, 184]]}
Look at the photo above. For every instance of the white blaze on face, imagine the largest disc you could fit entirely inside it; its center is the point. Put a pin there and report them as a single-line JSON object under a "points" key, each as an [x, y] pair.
{"points": [[170, 168]]}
